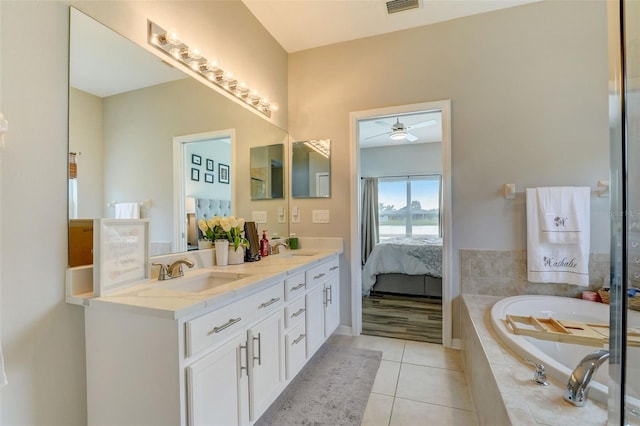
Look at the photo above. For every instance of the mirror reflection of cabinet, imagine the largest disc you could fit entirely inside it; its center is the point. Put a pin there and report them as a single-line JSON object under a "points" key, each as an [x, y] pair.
{"points": [[267, 172], [311, 169]]}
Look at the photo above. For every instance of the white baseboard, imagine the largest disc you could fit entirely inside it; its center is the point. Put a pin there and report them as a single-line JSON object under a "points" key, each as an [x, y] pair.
{"points": [[456, 344], [344, 330]]}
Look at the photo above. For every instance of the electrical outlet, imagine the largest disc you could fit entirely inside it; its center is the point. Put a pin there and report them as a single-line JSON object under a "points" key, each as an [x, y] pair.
{"points": [[259, 216]]}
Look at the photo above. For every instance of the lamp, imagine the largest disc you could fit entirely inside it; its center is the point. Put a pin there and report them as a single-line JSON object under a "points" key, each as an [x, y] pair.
{"points": [[398, 135], [169, 44]]}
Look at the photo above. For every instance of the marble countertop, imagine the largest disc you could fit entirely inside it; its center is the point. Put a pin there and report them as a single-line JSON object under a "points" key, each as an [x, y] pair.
{"points": [[525, 402], [149, 296]]}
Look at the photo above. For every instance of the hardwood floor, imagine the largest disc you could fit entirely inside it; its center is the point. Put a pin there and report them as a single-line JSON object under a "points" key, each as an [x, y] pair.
{"points": [[402, 317]]}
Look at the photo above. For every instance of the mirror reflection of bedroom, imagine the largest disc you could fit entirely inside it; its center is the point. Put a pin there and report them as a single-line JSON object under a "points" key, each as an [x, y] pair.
{"points": [[401, 226]]}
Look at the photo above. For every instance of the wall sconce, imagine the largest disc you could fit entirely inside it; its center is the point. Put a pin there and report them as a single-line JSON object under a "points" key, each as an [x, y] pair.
{"points": [[171, 45]]}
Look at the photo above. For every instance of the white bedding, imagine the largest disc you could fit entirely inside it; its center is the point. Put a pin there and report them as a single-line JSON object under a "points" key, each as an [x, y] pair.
{"points": [[403, 255]]}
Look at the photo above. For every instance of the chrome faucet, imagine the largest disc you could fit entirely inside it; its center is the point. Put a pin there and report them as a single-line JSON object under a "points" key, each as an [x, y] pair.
{"points": [[577, 389], [540, 375], [174, 270], [275, 248]]}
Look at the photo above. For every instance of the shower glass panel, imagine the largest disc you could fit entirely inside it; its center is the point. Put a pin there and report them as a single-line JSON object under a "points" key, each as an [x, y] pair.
{"points": [[624, 97], [632, 109]]}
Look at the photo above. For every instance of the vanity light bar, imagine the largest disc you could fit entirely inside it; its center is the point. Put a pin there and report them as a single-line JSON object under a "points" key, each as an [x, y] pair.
{"points": [[321, 146], [170, 44]]}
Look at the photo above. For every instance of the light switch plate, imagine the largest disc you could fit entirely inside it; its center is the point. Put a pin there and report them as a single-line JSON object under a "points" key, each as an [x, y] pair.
{"points": [[320, 216], [282, 215], [259, 216], [295, 214]]}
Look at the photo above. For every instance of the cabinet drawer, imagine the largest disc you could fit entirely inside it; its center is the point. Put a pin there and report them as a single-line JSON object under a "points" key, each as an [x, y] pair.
{"points": [[215, 326], [321, 272], [266, 301], [294, 286], [295, 350], [294, 313]]}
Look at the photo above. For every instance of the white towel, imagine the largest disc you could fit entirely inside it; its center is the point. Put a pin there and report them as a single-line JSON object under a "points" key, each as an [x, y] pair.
{"points": [[127, 211], [556, 263], [563, 213]]}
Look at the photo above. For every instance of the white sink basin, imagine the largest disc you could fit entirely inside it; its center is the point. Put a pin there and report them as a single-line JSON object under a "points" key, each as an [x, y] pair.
{"points": [[293, 253], [201, 282]]}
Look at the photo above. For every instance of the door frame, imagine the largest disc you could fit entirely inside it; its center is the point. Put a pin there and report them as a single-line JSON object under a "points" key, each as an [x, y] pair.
{"points": [[444, 106], [179, 243]]}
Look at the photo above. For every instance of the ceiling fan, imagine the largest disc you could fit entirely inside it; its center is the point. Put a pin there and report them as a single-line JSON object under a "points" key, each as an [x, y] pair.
{"points": [[399, 131]]}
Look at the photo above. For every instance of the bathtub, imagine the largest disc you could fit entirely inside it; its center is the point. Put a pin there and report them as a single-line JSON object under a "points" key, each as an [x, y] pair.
{"points": [[560, 359]]}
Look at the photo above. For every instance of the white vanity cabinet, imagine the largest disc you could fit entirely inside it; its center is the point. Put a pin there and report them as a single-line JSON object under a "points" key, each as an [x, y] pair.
{"points": [[322, 303], [221, 364]]}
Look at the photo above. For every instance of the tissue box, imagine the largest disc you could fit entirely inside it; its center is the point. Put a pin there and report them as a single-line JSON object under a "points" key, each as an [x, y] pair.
{"points": [[80, 242]]}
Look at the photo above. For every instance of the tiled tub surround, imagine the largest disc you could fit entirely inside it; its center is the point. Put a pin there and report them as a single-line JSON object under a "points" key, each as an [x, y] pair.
{"points": [[500, 381], [504, 273]]}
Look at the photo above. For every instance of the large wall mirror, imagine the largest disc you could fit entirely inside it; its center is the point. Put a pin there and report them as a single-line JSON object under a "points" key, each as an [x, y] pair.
{"points": [[143, 132], [311, 169]]}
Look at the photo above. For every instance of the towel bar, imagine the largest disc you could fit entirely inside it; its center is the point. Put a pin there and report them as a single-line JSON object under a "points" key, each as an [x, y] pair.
{"points": [[602, 189], [146, 203]]}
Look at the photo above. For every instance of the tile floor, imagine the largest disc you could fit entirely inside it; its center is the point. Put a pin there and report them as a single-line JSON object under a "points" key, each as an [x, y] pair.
{"points": [[417, 384]]}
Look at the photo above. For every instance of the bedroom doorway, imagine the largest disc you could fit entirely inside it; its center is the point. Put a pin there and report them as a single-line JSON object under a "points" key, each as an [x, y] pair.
{"points": [[401, 235]]}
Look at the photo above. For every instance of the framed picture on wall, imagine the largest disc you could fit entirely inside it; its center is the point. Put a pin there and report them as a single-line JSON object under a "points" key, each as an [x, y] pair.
{"points": [[196, 159], [195, 174], [209, 165], [208, 177], [223, 173]]}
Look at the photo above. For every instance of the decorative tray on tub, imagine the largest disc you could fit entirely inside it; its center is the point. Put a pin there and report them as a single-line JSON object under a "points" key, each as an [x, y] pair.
{"points": [[567, 331]]}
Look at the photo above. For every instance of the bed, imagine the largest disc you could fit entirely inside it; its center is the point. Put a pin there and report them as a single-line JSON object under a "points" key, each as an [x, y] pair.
{"points": [[407, 265]]}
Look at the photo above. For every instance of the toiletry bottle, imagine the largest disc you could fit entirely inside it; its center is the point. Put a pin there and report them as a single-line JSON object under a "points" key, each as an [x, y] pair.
{"points": [[264, 244]]}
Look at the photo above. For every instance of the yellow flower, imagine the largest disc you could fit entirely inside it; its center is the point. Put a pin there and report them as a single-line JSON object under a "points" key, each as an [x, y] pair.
{"points": [[211, 223], [233, 222], [202, 224], [241, 223]]}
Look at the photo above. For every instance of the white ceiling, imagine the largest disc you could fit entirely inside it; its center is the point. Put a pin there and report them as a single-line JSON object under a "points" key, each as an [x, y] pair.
{"points": [[305, 24]]}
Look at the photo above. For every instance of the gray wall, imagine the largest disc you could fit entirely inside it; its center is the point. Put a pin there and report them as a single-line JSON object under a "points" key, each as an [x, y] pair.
{"points": [[528, 87]]}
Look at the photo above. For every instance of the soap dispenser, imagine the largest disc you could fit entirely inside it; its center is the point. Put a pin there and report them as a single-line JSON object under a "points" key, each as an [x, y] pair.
{"points": [[264, 244]]}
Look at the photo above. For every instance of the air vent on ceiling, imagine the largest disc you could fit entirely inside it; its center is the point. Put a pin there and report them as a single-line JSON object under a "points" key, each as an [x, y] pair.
{"points": [[395, 6]]}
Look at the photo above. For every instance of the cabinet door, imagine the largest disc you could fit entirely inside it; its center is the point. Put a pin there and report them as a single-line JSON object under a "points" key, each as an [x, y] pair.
{"points": [[331, 306], [266, 362], [314, 318], [217, 387], [295, 351]]}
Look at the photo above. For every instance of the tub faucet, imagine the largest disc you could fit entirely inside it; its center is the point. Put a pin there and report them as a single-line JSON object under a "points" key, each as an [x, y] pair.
{"points": [[577, 389], [540, 375]]}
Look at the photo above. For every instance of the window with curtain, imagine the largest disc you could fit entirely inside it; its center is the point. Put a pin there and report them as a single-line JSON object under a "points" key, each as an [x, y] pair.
{"points": [[409, 206]]}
